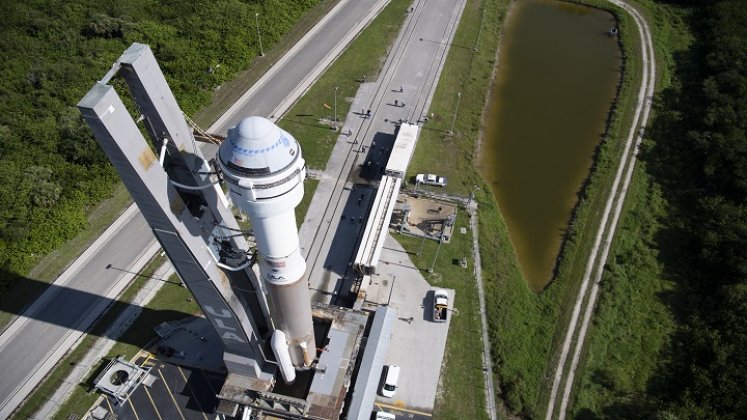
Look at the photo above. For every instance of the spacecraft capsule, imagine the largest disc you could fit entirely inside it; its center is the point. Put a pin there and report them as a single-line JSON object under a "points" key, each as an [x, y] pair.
{"points": [[264, 170]]}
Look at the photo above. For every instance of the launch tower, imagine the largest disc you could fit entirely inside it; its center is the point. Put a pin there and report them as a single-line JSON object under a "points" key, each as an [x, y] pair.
{"points": [[264, 320]]}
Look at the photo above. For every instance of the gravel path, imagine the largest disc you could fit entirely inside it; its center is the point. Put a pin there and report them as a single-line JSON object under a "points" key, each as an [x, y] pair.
{"points": [[487, 362], [605, 234]]}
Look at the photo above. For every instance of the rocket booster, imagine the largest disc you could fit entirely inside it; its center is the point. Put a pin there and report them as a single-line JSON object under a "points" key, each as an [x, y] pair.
{"points": [[264, 170]]}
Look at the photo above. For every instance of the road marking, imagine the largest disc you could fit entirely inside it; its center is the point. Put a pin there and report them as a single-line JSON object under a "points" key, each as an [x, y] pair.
{"points": [[171, 394], [148, 356], [402, 408], [111, 409], [152, 402], [197, 400], [132, 407]]}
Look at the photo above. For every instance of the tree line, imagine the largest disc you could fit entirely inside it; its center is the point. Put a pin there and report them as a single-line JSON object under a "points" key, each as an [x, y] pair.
{"points": [[53, 52], [707, 361]]}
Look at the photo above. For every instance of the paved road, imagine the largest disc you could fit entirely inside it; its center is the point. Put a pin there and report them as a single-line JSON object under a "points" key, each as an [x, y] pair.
{"points": [[292, 75], [42, 334]]}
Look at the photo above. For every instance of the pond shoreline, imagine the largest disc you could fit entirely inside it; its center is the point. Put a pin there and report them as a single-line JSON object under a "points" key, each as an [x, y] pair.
{"points": [[581, 192]]}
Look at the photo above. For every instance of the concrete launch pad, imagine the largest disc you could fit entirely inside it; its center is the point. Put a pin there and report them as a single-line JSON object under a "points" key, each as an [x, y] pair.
{"points": [[315, 394], [193, 346]]}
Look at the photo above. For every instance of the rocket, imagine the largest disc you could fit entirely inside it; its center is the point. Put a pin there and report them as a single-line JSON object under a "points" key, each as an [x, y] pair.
{"points": [[264, 170]]}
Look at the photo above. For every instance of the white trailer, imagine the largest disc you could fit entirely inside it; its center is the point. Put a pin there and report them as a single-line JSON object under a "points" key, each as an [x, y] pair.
{"points": [[377, 226], [404, 147]]}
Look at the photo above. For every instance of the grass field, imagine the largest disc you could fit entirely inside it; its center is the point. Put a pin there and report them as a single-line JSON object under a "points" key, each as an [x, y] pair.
{"points": [[466, 71], [308, 193], [231, 91], [629, 339]]}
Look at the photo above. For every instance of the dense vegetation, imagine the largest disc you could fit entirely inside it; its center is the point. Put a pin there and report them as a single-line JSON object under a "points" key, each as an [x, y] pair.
{"points": [[709, 363], [669, 338], [51, 167]]}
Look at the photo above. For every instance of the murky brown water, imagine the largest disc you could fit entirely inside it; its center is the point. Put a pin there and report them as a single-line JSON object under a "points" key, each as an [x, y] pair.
{"points": [[558, 71]]}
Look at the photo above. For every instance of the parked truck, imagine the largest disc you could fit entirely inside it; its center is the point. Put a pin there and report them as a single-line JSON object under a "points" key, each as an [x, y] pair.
{"points": [[431, 179], [440, 305]]}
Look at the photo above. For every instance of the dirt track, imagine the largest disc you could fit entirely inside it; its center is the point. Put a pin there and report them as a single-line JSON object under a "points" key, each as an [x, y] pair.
{"points": [[605, 233]]}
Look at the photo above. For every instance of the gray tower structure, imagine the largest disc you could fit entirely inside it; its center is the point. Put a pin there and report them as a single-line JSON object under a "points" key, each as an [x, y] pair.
{"points": [[182, 202]]}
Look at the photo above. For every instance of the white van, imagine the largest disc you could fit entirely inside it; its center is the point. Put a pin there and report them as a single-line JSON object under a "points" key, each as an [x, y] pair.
{"points": [[385, 416], [389, 387]]}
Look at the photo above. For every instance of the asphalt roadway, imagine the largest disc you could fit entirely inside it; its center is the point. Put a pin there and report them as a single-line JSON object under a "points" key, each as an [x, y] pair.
{"points": [[41, 335]]}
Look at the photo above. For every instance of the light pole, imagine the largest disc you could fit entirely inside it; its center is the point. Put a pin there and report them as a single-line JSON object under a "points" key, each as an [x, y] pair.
{"points": [[435, 257], [259, 37], [336, 107], [456, 110]]}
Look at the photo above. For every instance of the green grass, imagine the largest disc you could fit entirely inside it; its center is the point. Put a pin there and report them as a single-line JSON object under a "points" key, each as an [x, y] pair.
{"points": [[630, 335], [173, 302], [520, 321], [53, 264], [465, 71], [461, 395], [468, 72], [67, 364], [308, 193], [231, 91], [361, 58]]}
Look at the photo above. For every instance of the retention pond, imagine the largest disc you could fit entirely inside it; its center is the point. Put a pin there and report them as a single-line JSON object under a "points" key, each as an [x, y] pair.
{"points": [[558, 71]]}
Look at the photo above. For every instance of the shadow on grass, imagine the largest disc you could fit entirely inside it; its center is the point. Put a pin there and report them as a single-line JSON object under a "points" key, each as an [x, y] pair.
{"points": [[77, 305], [668, 232]]}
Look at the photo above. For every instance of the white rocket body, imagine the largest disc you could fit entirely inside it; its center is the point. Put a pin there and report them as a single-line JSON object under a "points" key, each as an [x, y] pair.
{"points": [[279, 344], [265, 171]]}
